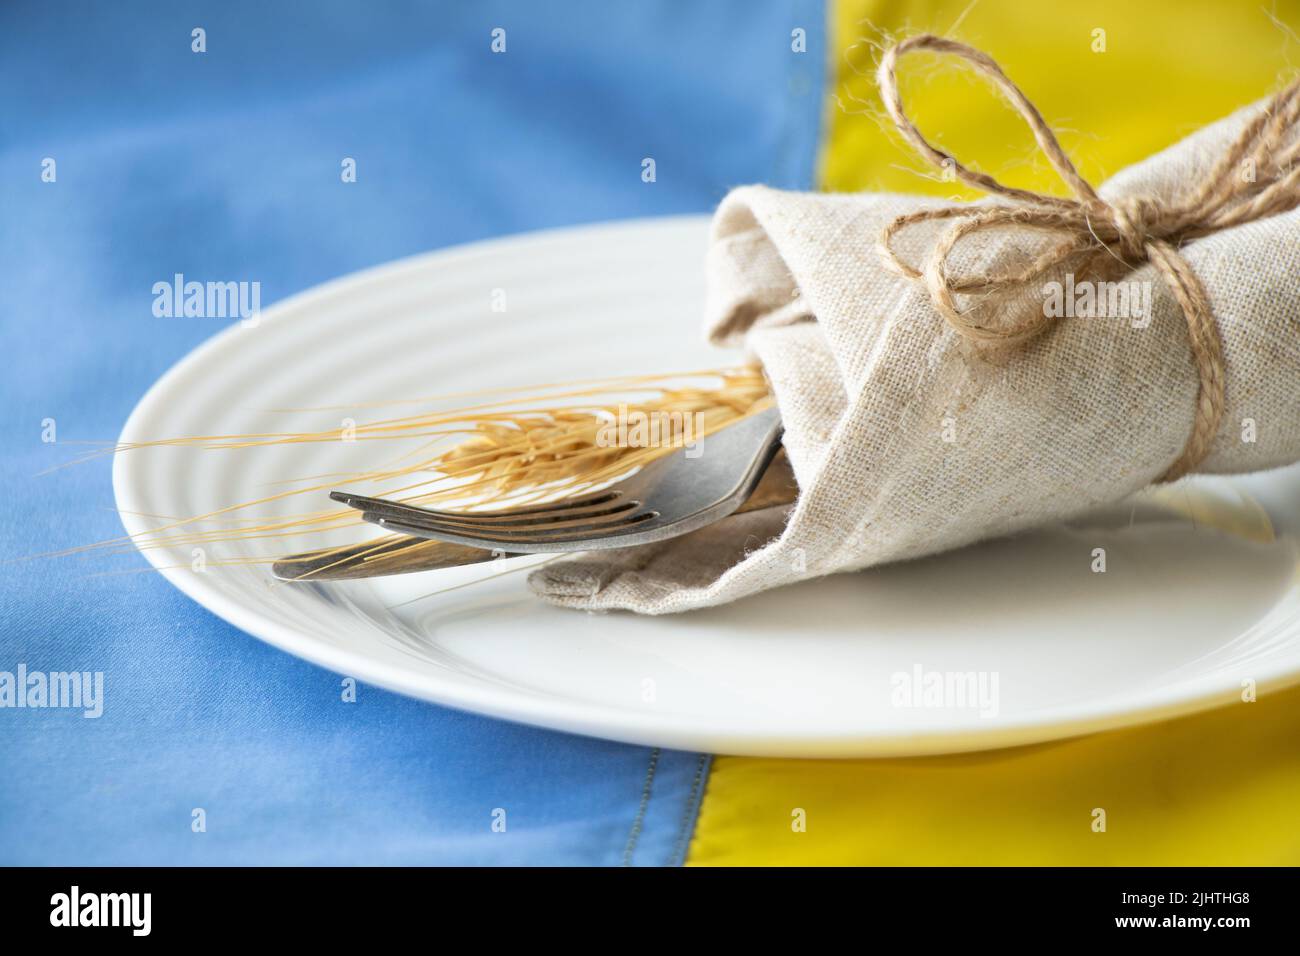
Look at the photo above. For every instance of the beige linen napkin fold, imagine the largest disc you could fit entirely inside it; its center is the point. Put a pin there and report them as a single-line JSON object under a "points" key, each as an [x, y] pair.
{"points": [[906, 440]]}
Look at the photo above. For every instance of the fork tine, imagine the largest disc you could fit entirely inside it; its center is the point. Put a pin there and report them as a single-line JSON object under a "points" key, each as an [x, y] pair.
{"points": [[548, 520], [595, 520], [508, 539], [495, 519], [365, 503]]}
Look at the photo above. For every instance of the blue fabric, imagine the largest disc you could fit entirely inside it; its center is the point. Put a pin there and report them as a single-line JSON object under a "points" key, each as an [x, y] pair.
{"points": [[226, 164]]}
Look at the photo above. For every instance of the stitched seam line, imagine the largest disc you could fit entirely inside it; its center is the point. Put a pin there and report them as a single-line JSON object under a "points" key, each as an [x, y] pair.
{"points": [[690, 813], [639, 820]]}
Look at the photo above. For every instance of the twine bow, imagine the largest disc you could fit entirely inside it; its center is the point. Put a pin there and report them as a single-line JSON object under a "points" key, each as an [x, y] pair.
{"points": [[1133, 230]]}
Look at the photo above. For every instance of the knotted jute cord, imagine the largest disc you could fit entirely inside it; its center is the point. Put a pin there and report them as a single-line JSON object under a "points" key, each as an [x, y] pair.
{"points": [[1134, 229]]}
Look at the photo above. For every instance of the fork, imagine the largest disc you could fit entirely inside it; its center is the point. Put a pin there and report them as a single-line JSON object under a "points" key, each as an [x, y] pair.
{"points": [[405, 554], [671, 496]]}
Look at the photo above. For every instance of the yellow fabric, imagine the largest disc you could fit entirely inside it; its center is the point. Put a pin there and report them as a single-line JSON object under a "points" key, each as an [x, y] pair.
{"points": [[1220, 788], [1169, 67], [1212, 789]]}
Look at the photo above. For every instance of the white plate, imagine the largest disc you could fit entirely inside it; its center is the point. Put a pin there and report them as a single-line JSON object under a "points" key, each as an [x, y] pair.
{"points": [[1185, 613]]}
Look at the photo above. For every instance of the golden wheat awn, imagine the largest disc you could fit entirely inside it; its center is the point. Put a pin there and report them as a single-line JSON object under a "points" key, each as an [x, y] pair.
{"points": [[512, 450]]}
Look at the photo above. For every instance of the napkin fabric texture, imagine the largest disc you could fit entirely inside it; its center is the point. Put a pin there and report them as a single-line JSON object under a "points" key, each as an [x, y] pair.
{"points": [[907, 441]]}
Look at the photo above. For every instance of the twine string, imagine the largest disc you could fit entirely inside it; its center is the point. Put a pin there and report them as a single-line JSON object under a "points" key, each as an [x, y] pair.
{"points": [[1133, 230]]}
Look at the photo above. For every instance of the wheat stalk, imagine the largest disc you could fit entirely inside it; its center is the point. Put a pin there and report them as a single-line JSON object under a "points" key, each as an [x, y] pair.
{"points": [[517, 448]]}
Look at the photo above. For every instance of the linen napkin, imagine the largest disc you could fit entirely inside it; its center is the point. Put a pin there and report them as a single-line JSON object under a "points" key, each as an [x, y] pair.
{"points": [[907, 440]]}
